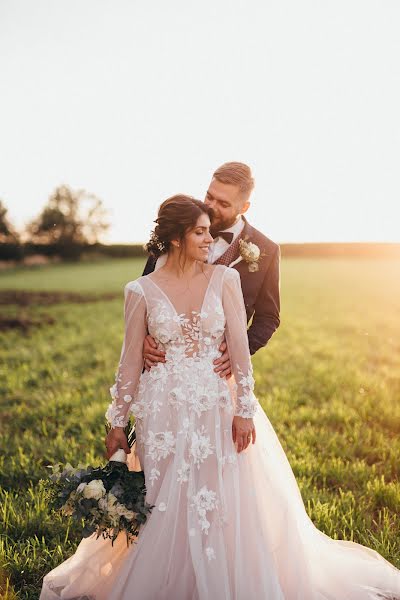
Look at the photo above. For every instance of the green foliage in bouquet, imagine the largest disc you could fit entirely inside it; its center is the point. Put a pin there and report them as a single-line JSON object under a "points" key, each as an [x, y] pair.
{"points": [[106, 500]]}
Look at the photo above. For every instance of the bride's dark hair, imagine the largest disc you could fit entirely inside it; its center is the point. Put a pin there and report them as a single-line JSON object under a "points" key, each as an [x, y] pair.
{"points": [[176, 216]]}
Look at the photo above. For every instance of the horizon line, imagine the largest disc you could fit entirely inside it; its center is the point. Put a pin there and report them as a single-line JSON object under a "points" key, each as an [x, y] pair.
{"points": [[365, 242]]}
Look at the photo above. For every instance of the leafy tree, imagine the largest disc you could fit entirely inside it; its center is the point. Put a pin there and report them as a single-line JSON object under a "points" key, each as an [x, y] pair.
{"points": [[7, 232], [70, 220]]}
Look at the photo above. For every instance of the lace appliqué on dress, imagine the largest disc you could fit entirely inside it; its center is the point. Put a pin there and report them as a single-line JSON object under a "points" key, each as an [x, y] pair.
{"points": [[247, 402]]}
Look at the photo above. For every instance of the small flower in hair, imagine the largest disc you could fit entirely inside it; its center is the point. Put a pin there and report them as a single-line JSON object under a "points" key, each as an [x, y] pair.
{"points": [[159, 243], [156, 242]]}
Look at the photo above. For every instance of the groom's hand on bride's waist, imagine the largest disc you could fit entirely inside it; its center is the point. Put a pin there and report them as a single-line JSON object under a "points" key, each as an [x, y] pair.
{"points": [[223, 363], [151, 355]]}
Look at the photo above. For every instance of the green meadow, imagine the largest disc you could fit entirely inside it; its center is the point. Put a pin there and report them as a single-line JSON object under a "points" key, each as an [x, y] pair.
{"points": [[329, 381]]}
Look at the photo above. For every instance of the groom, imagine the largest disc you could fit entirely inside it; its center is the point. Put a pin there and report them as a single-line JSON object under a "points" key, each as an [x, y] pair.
{"points": [[244, 248]]}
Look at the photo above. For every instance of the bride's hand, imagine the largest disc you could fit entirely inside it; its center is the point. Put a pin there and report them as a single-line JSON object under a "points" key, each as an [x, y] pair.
{"points": [[115, 440], [243, 432]]}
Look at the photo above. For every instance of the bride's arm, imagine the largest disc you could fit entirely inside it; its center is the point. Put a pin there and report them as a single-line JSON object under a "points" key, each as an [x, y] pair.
{"points": [[238, 345], [243, 429], [131, 360]]}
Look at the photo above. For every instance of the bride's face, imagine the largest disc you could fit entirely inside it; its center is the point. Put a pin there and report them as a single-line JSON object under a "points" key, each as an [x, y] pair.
{"points": [[198, 239]]}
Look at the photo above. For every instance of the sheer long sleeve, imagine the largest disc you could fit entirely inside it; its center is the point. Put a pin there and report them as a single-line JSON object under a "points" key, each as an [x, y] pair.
{"points": [[238, 345], [131, 359]]}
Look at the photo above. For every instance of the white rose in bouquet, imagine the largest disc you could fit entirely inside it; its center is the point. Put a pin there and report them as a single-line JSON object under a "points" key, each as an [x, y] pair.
{"points": [[94, 489]]}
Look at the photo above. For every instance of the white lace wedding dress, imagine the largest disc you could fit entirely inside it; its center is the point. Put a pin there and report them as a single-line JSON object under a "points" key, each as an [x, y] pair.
{"points": [[225, 526]]}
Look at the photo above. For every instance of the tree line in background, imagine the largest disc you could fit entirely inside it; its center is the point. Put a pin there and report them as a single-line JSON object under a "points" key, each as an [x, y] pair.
{"points": [[72, 222], [69, 225]]}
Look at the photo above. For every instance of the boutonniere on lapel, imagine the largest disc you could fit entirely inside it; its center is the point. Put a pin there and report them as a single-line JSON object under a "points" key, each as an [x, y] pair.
{"points": [[250, 253]]}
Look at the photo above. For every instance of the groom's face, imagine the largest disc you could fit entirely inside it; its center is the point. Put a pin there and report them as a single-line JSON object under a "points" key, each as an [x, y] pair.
{"points": [[227, 204]]}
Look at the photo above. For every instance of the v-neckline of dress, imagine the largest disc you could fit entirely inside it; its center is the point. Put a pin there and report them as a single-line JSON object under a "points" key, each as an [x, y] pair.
{"points": [[170, 301]]}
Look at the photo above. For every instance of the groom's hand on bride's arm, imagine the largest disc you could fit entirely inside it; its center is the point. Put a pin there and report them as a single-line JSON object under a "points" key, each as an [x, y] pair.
{"points": [[151, 354], [223, 363]]}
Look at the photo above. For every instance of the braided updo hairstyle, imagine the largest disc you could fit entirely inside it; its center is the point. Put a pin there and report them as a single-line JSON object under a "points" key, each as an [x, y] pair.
{"points": [[176, 216]]}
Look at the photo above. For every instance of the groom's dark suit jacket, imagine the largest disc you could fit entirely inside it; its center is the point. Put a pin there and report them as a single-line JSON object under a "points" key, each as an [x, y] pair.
{"points": [[260, 288]]}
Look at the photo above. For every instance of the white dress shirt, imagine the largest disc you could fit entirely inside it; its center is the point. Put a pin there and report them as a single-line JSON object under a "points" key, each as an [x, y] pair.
{"points": [[217, 247]]}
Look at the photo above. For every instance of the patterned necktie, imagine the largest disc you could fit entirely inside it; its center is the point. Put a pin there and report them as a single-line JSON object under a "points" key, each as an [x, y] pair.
{"points": [[231, 253]]}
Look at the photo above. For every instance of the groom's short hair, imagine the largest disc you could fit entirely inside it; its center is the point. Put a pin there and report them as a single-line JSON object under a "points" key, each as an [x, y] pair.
{"points": [[236, 173]]}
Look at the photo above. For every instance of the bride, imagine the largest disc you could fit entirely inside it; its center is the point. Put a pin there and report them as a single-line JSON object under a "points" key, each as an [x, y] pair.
{"points": [[228, 521]]}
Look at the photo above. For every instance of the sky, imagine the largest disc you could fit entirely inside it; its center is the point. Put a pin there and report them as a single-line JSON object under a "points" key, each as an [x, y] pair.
{"points": [[136, 101]]}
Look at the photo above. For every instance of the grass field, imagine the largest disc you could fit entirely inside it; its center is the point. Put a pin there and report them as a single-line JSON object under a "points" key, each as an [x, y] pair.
{"points": [[329, 381]]}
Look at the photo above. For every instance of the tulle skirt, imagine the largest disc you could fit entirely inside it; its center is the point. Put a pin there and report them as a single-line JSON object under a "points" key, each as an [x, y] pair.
{"points": [[234, 527]]}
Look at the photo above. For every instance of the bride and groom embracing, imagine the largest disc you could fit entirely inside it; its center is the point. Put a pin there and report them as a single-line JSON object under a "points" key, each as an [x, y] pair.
{"points": [[228, 521]]}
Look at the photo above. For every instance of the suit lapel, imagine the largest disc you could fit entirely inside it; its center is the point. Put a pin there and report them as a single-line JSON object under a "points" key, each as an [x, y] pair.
{"points": [[246, 231], [232, 253]]}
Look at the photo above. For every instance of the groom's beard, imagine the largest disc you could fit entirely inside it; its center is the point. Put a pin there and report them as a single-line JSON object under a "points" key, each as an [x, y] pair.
{"points": [[222, 225]]}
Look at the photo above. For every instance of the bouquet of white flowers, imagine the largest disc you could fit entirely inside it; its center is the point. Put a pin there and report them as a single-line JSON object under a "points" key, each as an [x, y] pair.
{"points": [[105, 500]]}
